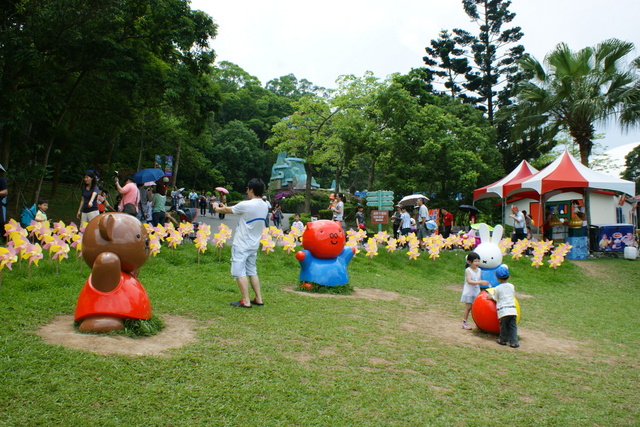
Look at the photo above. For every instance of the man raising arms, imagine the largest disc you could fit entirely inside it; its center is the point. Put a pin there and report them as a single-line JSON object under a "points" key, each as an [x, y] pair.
{"points": [[246, 242]]}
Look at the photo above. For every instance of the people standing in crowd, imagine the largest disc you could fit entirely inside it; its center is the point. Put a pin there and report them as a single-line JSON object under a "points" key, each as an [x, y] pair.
{"points": [[202, 202], [547, 227], [338, 211], [447, 223], [519, 224], [397, 220], [174, 197], [103, 202], [149, 209], [276, 213], [223, 202], [528, 221], [360, 218], [88, 208], [159, 210], [130, 196], [213, 200], [142, 203], [4, 191], [268, 203], [193, 199], [246, 242], [405, 219], [421, 221], [579, 211]]}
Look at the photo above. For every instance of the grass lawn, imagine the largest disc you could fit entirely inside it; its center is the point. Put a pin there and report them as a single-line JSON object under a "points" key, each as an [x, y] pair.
{"points": [[397, 360]]}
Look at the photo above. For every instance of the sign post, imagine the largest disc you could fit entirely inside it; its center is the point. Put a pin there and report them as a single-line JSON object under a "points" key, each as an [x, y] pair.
{"points": [[383, 202]]}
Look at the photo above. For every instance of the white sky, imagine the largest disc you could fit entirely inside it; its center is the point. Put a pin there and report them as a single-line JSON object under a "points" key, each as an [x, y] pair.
{"points": [[320, 41]]}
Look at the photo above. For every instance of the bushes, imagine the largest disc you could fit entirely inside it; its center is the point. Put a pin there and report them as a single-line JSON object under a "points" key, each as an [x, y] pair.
{"points": [[292, 201]]}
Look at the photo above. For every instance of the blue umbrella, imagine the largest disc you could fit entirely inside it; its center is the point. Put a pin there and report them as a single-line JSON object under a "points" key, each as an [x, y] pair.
{"points": [[145, 175]]}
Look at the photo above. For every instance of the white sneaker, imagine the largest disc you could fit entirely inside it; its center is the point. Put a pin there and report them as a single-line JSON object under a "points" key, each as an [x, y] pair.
{"points": [[465, 325]]}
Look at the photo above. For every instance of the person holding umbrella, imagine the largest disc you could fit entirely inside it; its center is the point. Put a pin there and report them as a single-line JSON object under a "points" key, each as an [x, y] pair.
{"points": [[130, 196]]}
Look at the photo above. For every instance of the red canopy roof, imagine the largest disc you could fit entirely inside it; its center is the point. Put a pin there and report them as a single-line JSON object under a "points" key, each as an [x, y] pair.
{"points": [[566, 173], [522, 171]]}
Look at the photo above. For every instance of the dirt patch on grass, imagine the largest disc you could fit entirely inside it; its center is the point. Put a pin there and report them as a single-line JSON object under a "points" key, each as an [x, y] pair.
{"points": [[591, 268], [436, 324], [179, 331], [368, 294]]}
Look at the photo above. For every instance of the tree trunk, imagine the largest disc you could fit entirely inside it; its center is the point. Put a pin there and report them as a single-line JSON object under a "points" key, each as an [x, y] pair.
{"points": [[54, 131], [176, 163], [307, 188], [337, 177], [584, 139]]}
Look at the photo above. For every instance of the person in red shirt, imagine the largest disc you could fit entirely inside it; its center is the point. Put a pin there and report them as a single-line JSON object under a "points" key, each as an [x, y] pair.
{"points": [[447, 222]]}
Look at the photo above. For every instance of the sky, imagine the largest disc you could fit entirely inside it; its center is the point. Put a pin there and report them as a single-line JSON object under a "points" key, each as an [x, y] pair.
{"points": [[321, 41]]}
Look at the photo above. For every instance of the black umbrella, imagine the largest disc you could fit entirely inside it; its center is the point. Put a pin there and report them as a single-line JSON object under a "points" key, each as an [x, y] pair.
{"points": [[468, 208]]}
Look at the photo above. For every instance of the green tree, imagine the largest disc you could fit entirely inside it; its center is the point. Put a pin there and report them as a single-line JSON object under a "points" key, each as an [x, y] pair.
{"points": [[307, 134], [71, 71], [632, 166], [236, 154], [448, 63], [576, 90], [487, 60], [290, 87]]}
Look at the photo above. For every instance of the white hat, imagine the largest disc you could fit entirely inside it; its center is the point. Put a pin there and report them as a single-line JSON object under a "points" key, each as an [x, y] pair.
{"points": [[2, 168]]}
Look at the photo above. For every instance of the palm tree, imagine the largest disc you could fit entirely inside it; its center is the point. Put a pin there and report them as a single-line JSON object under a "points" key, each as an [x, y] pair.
{"points": [[578, 90]]}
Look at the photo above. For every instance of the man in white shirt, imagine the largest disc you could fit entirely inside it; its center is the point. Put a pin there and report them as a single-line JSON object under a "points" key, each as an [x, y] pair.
{"points": [[423, 215], [519, 224], [247, 241], [193, 198]]}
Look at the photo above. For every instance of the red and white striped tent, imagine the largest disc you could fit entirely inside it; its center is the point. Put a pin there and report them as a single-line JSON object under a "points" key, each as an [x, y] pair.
{"points": [[522, 171], [567, 174]]}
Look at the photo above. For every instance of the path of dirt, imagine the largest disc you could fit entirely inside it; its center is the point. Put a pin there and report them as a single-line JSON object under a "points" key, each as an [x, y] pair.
{"points": [[179, 331], [434, 323], [427, 323]]}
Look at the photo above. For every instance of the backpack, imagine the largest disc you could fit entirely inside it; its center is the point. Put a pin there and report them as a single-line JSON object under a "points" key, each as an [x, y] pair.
{"points": [[28, 215]]}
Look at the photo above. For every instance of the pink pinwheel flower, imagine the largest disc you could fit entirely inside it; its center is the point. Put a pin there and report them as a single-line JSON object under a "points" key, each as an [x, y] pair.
{"points": [[7, 257]]}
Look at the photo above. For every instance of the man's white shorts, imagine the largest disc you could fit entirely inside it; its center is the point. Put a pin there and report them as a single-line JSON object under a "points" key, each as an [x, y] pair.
{"points": [[243, 262]]}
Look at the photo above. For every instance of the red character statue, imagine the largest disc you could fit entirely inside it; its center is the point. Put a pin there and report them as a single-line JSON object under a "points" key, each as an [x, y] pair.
{"points": [[325, 258]]}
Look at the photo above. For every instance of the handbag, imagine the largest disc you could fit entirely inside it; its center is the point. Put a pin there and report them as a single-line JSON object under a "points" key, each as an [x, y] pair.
{"points": [[130, 209]]}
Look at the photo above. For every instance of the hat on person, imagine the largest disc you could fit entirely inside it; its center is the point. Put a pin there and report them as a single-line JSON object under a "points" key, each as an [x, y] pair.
{"points": [[514, 207], [502, 272]]}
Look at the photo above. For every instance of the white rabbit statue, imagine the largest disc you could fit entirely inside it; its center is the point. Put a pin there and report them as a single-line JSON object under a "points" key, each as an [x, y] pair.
{"points": [[489, 252]]}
